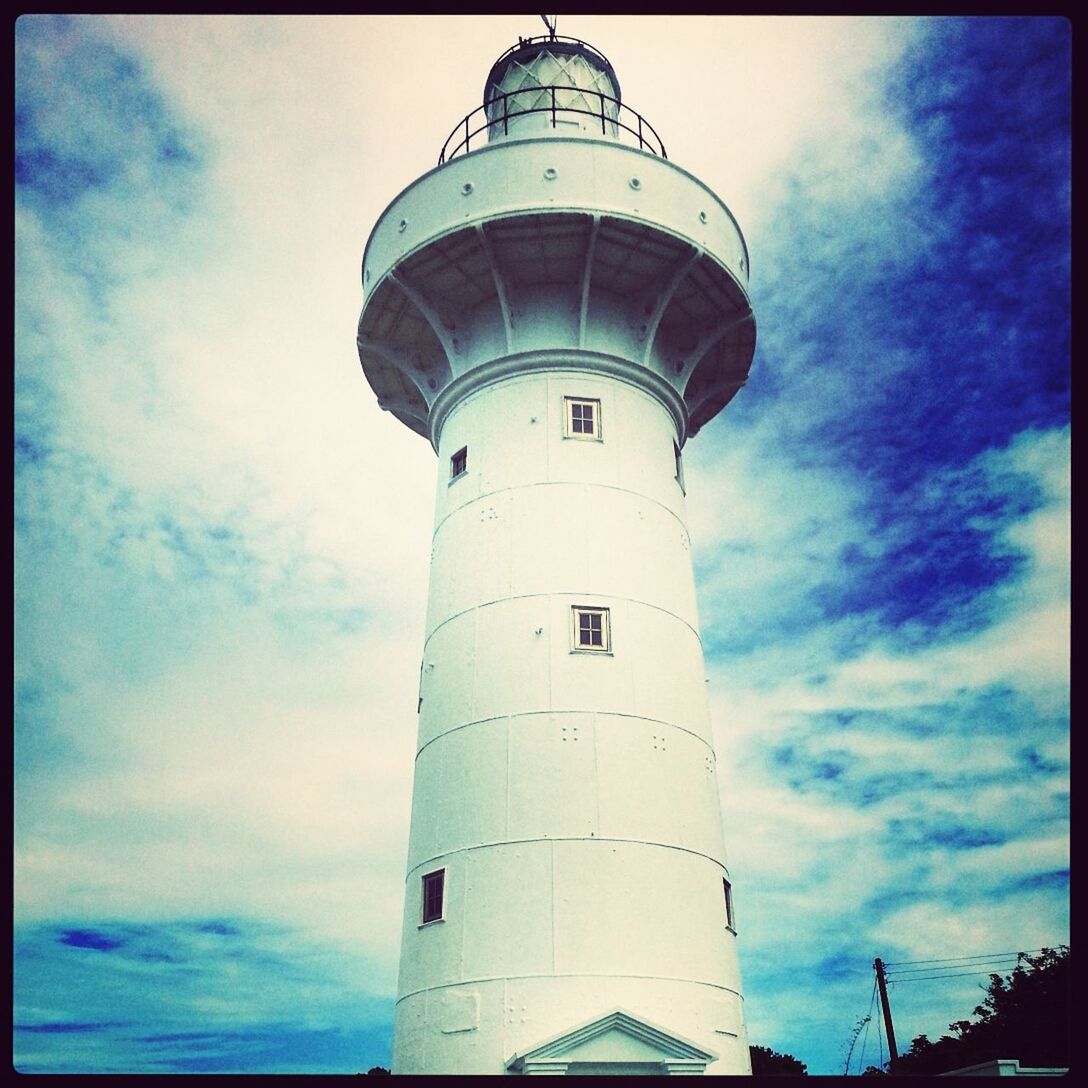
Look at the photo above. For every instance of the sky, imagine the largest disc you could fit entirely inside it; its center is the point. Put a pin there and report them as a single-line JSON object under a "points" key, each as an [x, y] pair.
{"points": [[221, 542]]}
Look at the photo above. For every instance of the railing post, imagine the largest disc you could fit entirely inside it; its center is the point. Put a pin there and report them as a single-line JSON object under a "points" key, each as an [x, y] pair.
{"points": [[554, 123], [639, 116], [603, 132], [506, 115]]}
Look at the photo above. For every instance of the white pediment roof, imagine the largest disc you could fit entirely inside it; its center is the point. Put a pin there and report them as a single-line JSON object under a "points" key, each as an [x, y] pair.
{"points": [[617, 1037]]}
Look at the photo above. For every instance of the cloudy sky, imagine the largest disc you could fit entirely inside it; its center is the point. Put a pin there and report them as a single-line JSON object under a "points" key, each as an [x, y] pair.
{"points": [[222, 542]]}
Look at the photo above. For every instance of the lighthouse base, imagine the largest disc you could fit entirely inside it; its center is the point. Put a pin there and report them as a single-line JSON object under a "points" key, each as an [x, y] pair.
{"points": [[504, 1026]]}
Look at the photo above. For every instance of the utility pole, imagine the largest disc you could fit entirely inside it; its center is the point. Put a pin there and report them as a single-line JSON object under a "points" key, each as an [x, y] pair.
{"points": [[893, 1055]]}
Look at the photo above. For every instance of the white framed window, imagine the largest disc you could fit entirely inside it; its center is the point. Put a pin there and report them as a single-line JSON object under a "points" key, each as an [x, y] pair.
{"points": [[583, 418], [459, 463], [730, 917], [590, 629], [434, 889]]}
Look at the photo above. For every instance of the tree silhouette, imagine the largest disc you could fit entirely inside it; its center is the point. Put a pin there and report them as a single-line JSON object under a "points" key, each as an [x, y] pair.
{"points": [[1024, 1016], [769, 1063]]}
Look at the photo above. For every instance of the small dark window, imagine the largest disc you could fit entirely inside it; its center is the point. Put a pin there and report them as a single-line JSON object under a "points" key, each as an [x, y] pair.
{"points": [[591, 629], [583, 418], [730, 918], [433, 886], [459, 463]]}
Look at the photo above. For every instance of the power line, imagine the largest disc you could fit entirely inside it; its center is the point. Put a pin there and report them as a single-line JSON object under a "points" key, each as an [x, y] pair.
{"points": [[865, 1037], [980, 966], [929, 978], [983, 956], [864, 1044], [868, 1024], [880, 1047], [954, 966], [963, 961]]}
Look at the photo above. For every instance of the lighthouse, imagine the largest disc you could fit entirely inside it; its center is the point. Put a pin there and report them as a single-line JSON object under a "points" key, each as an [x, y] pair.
{"points": [[557, 307]]}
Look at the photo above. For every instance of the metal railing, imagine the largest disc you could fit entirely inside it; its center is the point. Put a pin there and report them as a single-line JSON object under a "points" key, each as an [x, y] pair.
{"points": [[551, 39], [618, 117]]}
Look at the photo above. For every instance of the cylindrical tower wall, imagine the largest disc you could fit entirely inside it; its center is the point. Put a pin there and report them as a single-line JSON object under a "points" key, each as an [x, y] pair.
{"points": [[566, 791]]}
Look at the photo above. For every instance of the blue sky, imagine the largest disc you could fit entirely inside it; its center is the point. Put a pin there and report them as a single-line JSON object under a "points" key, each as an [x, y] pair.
{"points": [[221, 542]]}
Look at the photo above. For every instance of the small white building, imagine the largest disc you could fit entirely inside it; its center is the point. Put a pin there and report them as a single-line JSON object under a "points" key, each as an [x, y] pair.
{"points": [[557, 308], [1005, 1067]]}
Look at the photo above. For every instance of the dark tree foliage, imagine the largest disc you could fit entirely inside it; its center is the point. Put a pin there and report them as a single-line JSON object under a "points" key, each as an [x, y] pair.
{"points": [[377, 1070], [1025, 1016], [769, 1063]]}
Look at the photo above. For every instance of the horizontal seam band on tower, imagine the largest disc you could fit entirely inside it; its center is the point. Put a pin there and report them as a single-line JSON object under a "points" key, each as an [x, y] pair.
{"points": [[564, 838], [563, 593], [563, 483], [543, 713], [573, 974]]}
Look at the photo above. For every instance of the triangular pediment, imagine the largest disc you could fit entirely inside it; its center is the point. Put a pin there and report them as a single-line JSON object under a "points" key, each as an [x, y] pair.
{"points": [[617, 1038]]}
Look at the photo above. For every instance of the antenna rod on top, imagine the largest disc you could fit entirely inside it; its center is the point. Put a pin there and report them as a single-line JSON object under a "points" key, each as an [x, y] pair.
{"points": [[551, 23]]}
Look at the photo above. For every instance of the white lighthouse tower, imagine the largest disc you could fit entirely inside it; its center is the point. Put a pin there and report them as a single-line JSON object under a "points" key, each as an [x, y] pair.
{"points": [[557, 308]]}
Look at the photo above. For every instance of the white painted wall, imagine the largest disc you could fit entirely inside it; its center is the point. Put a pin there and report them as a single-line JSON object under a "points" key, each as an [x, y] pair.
{"points": [[571, 797]]}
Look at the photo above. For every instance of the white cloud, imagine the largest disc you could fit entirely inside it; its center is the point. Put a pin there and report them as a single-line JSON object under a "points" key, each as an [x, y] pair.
{"points": [[258, 783], [988, 926], [792, 531]]}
